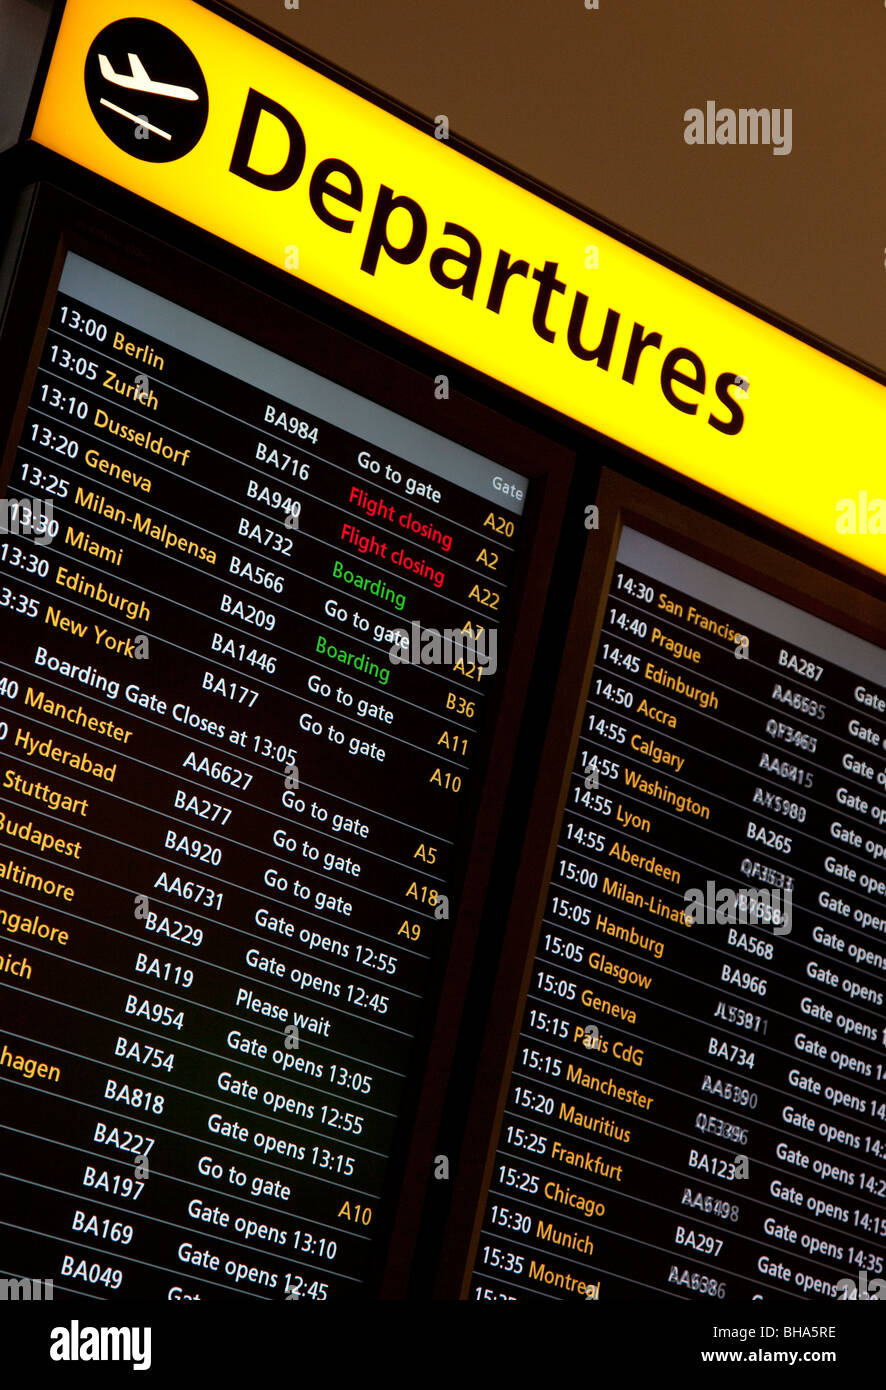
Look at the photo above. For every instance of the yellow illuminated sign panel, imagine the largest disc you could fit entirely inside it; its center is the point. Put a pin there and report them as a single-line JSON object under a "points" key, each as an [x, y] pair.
{"points": [[293, 168]]}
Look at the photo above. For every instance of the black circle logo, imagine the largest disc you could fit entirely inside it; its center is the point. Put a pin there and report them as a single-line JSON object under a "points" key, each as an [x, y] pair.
{"points": [[146, 90]]}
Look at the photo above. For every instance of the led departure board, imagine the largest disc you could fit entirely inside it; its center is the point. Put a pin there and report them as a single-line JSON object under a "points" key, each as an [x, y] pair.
{"points": [[697, 1100], [250, 624]]}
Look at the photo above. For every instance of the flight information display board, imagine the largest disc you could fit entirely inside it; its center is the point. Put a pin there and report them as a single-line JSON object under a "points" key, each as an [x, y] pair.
{"points": [[697, 1101], [233, 779]]}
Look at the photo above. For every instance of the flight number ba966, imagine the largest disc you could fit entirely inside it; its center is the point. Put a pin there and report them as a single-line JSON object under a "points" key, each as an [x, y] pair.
{"points": [[743, 979]]}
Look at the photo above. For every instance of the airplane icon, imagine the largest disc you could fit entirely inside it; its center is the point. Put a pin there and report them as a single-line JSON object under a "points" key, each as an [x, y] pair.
{"points": [[139, 81]]}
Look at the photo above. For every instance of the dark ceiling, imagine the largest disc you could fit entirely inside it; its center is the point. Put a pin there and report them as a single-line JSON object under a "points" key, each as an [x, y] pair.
{"points": [[591, 102]]}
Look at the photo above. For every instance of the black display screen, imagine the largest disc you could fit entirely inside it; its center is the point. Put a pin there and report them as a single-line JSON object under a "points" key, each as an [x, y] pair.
{"points": [[236, 747], [697, 1102]]}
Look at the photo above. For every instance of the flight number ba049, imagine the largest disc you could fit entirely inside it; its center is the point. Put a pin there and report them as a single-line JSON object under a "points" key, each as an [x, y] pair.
{"points": [[94, 1273]]}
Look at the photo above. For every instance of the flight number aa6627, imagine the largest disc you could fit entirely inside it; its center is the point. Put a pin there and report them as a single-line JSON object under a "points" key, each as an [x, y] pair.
{"points": [[217, 771]]}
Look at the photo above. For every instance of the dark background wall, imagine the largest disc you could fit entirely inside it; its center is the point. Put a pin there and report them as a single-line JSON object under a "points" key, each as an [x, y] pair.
{"points": [[591, 102]]}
